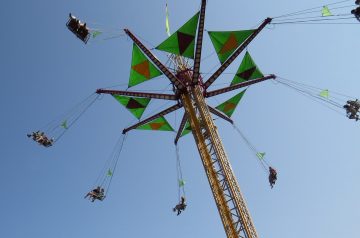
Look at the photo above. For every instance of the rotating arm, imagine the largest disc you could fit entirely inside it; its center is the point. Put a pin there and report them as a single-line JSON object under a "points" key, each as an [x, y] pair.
{"points": [[237, 86], [138, 94], [199, 41]]}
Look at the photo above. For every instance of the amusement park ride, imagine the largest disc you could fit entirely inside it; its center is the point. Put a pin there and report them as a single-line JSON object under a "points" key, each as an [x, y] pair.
{"points": [[190, 92]]}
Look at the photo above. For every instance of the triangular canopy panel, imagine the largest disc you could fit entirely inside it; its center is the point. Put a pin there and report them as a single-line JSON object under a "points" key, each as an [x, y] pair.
{"points": [[226, 42], [247, 70], [141, 68], [325, 12], [159, 124], [135, 105], [260, 155], [187, 129], [182, 42], [229, 106], [324, 93]]}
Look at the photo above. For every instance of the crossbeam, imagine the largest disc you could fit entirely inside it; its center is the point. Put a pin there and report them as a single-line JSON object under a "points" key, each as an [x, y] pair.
{"points": [[237, 86]]}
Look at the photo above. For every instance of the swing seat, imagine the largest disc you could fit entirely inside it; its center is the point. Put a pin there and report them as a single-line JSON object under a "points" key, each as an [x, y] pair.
{"points": [[101, 197], [79, 30]]}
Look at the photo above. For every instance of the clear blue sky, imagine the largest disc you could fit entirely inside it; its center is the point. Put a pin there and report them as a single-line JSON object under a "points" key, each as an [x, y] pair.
{"points": [[45, 71]]}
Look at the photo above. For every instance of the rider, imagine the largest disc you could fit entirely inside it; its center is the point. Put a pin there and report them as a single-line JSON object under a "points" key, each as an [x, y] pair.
{"points": [[83, 31], [355, 104], [40, 137], [354, 116], [48, 142], [102, 194], [180, 207], [74, 23], [272, 176], [34, 135], [97, 193], [356, 12], [93, 194], [351, 111]]}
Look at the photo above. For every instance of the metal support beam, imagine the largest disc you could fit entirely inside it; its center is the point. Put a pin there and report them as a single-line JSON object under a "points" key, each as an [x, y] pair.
{"points": [[209, 165], [149, 119], [236, 53], [199, 41], [178, 84], [237, 86], [138, 94], [235, 216], [181, 128], [220, 114]]}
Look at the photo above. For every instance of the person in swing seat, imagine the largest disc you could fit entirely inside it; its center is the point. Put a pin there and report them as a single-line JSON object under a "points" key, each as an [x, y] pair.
{"points": [[272, 176], [356, 12], [96, 193], [93, 194], [180, 207], [83, 32], [34, 135], [354, 104], [73, 23]]}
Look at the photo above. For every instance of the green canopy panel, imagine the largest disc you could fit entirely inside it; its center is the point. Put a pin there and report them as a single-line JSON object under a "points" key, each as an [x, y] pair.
{"points": [[96, 33], [135, 105], [159, 124], [229, 106], [260, 155], [181, 183], [248, 70], [109, 173], [182, 42], [64, 125], [226, 42], [324, 93], [187, 129], [141, 68], [325, 12]]}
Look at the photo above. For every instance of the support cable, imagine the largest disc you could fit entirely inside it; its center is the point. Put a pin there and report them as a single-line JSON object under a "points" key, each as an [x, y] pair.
{"points": [[256, 153], [56, 128], [309, 9], [106, 174], [180, 180]]}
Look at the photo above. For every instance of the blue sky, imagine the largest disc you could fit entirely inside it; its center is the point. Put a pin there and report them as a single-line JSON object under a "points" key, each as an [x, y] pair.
{"points": [[46, 71]]}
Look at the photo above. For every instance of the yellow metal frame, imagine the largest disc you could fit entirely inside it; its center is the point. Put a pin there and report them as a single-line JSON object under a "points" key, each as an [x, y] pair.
{"points": [[226, 191]]}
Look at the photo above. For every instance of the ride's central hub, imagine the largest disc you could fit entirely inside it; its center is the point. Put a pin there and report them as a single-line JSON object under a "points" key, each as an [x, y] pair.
{"points": [[186, 77]]}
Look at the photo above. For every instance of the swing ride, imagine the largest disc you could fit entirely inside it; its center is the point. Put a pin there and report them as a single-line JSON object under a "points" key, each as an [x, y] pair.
{"points": [[190, 91]]}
